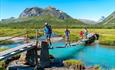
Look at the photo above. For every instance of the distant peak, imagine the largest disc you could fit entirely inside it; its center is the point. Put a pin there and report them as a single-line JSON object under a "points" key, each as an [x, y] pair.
{"points": [[36, 11], [51, 7]]}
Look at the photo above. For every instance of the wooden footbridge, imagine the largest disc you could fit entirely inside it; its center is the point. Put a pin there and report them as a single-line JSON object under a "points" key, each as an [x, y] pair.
{"points": [[37, 54], [33, 47]]}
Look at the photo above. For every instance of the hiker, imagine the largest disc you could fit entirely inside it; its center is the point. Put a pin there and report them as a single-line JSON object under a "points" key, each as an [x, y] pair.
{"points": [[92, 37], [81, 34], [48, 32], [67, 35], [97, 36], [85, 32]]}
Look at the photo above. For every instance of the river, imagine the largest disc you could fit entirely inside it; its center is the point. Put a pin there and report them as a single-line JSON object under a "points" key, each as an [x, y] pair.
{"points": [[90, 55]]}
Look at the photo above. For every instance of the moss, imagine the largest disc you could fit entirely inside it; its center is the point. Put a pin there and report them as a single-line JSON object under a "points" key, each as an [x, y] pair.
{"points": [[2, 49], [5, 42], [1, 65], [72, 62]]}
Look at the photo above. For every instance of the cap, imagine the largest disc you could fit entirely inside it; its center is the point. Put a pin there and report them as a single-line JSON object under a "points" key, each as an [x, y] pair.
{"points": [[46, 23]]}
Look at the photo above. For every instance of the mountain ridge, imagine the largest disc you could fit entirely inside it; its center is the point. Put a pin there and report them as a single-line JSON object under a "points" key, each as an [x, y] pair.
{"points": [[36, 11], [36, 16]]}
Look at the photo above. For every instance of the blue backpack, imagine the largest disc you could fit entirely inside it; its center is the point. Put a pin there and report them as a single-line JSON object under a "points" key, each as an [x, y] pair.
{"points": [[48, 29]]}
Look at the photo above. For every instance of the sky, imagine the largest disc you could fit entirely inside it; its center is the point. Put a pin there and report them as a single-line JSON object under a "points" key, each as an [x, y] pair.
{"points": [[80, 9]]}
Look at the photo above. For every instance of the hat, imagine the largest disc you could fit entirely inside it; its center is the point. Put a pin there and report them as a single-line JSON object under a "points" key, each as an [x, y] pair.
{"points": [[46, 23]]}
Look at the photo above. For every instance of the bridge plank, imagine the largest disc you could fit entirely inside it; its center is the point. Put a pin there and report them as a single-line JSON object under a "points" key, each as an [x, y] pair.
{"points": [[10, 52]]}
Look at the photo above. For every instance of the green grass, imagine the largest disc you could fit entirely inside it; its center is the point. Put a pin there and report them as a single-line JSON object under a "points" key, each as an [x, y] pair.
{"points": [[2, 49], [15, 32], [2, 62], [107, 36], [38, 22], [1, 65], [73, 62], [6, 42]]}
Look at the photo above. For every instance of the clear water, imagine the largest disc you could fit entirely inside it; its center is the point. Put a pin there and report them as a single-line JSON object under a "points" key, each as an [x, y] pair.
{"points": [[11, 45], [90, 55]]}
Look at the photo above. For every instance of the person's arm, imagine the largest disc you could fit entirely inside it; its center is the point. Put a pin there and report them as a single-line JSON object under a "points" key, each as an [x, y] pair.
{"points": [[51, 29], [45, 30], [69, 32]]}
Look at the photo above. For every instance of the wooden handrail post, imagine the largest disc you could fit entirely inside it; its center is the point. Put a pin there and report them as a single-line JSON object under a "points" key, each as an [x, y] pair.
{"points": [[36, 37], [27, 38], [37, 66]]}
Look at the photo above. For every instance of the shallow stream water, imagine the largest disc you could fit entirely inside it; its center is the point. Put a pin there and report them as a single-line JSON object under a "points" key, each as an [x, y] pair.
{"points": [[90, 55]]}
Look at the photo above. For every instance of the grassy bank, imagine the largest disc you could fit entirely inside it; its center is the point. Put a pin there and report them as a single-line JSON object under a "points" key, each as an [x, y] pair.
{"points": [[2, 62], [5, 42], [107, 36]]}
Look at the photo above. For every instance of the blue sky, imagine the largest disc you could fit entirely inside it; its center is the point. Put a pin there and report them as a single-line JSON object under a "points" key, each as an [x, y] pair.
{"points": [[84, 9]]}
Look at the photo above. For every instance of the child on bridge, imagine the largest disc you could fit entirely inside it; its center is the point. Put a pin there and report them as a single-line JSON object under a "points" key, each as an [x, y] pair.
{"points": [[67, 35]]}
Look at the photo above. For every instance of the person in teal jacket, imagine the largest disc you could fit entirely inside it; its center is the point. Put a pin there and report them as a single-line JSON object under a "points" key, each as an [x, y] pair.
{"points": [[48, 32]]}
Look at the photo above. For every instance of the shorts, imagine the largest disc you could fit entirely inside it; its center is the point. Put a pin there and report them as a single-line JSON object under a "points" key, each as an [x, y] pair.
{"points": [[48, 36], [67, 38]]}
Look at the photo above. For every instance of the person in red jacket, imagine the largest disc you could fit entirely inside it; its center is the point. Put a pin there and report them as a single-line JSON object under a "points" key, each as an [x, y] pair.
{"points": [[81, 34]]}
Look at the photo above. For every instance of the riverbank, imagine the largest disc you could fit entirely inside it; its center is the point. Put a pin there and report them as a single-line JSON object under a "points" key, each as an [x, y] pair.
{"points": [[10, 40], [90, 49], [107, 36]]}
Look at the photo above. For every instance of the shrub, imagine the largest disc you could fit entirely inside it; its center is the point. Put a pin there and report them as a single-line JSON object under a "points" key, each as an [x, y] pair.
{"points": [[70, 62]]}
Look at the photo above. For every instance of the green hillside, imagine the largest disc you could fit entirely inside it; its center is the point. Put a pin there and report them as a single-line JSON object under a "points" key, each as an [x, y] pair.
{"points": [[38, 22], [32, 22], [110, 20]]}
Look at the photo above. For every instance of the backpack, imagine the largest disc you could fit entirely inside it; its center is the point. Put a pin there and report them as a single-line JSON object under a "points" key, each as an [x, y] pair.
{"points": [[48, 29]]}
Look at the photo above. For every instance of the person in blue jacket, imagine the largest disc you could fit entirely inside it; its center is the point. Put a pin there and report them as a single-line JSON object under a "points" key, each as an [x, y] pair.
{"points": [[48, 32]]}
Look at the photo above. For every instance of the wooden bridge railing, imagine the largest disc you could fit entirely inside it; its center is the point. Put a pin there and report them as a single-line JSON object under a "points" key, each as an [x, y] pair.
{"points": [[28, 46], [10, 52]]}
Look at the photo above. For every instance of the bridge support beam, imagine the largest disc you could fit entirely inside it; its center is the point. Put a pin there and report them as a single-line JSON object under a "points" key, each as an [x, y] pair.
{"points": [[44, 55], [38, 57]]}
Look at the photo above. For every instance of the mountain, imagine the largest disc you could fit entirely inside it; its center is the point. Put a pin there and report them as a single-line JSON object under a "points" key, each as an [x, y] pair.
{"points": [[36, 11], [87, 21], [110, 20], [35, 17]]}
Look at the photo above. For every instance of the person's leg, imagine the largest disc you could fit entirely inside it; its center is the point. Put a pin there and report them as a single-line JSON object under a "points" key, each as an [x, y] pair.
{"points": [[81, 36], [69, 42], [49, 40], [66, 42], [46, 35], [85, 35]]}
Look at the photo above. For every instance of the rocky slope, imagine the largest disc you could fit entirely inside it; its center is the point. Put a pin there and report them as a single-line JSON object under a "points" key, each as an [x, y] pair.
{"points": [[36, 11]]}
